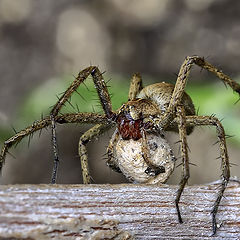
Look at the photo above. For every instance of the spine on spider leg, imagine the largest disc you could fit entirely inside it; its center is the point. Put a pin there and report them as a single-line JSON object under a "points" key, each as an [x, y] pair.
{"points": [[45, 122], [20, 135], [72, 88], [66, 95], [55, 150], [81, 118], [178, 92], [226, 79], [135, 86], [89, 135], [209, 120], [102, 92], [99, 84], [184, 154], [3, 156]]}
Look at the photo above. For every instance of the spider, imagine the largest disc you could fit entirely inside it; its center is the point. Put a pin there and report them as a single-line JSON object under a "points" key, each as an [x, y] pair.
{"points": [[138, 148]]}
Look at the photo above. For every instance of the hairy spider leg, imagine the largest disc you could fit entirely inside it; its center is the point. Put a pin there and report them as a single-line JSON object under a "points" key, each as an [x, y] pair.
{"points": [[225, 167], [111, 161], [164, 121], [45, 122], [182, 81], [181, 120], [135, 86], [104, 97], [146, 153], [89, 135]]}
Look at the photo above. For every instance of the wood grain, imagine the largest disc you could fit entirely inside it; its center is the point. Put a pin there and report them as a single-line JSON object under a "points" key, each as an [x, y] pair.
{"points": [[124, 211]]}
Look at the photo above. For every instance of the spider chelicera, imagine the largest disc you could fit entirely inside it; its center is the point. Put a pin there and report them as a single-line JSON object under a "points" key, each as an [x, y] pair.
{"points": [[138, 148]]}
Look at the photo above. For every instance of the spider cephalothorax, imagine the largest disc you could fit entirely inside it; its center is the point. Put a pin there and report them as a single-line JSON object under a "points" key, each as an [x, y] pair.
{"points": [[138, 148]]}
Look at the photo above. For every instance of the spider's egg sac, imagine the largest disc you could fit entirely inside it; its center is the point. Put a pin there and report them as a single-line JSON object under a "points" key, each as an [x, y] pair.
{"points": [[129, 156]]}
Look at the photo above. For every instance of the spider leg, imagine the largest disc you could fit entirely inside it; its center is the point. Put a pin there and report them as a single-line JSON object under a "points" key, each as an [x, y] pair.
{"points": [[152, 169], [111, 161], [182, 81], [55, 150], [135, 86], [145, 149], [103, 96], [99, 84], [82, 149], [45, 122], [208, 120], [181, 119]]}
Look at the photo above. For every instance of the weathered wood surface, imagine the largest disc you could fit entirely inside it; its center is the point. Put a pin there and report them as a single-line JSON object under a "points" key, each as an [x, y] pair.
{"points": [[124, 211]]}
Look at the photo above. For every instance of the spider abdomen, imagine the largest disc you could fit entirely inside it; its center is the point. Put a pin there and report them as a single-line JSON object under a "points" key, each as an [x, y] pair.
{"points": [[161, 93]]}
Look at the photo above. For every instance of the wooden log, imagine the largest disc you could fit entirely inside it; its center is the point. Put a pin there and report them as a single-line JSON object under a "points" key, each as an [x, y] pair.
{"points": [[124, 211]]}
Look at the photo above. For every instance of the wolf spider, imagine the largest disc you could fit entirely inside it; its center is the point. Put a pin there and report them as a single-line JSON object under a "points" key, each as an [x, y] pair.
{"points": [[148, 113]]}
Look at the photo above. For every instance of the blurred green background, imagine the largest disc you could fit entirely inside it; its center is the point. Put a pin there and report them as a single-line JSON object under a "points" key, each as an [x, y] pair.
{"points": [[44, 43]]}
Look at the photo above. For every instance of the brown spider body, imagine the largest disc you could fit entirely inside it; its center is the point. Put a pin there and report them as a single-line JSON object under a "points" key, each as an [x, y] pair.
{"points": [[160, 94], [137, 131], [138, 148]]}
